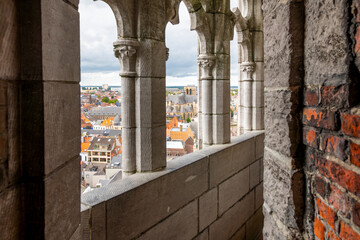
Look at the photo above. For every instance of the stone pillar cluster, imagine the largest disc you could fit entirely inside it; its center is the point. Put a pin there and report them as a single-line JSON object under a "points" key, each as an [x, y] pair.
{"points": [[142, 54], [249, 30]]}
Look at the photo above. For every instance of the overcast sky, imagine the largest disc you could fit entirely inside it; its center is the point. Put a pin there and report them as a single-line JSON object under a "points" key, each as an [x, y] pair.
{"points": [[98, 32]]}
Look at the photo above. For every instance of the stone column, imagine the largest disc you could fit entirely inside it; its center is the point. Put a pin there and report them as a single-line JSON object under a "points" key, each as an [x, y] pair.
{"points": [[206, 63], [246, 95], [125, 51]]}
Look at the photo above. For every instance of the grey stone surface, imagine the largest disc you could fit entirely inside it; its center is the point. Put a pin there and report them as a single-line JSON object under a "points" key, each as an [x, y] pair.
{"points": [[61, 124], [259, 198], [231, 221], [327, 52], [240, 234], [254, 225], [62, 214], [98, 221], [244, 153], [203, 236], [181, 225], [10, 213], [259, 146], [283, 49], [208, 204], [283, 191], [254, 174], [221, 128], [61, 50], [154, 200], [233, 189]]}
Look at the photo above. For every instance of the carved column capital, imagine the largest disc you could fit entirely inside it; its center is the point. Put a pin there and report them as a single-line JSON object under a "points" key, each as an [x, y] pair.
{"points": [[249, 68], [206, 63], [125, 51]]}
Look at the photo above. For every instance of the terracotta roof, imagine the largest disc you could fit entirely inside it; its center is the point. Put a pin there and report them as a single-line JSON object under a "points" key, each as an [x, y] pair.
{"points": [[84, 146]]}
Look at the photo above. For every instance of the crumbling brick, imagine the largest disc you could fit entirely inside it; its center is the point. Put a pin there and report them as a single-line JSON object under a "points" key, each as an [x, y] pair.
{"points": [[319, 229], [344, 177], [340, 201], [311, 97], [334, 96], [319, 118], [310, 138], [334, 145], [348, 233], [326, 213], [350, 125], [355, 154]]}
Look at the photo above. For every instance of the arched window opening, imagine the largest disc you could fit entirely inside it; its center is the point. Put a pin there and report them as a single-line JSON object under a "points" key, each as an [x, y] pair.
{"points": [[181, 88], [101, 138]]}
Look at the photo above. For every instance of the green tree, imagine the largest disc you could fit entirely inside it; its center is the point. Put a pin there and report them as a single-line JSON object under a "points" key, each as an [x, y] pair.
{"points": [[105, 99], [188, 120], [231, 113]]}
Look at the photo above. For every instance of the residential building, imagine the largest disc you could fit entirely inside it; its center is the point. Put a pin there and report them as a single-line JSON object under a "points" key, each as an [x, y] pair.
{"points": [[101, 150]]}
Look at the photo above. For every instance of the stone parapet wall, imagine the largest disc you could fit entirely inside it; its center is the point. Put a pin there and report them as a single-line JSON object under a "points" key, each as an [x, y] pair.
{"points": [[215, 193]]}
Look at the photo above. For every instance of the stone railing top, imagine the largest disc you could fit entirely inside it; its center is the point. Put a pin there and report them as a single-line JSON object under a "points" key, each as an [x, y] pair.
{"points": [[114, 189]]}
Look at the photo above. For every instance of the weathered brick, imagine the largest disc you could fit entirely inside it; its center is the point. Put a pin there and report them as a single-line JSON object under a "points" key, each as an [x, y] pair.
{"points": [[332, 236], [333, 145], [347, 232], [355, 154], [321, 186], [319, 229], [326, 213], [319, 118], [357, 37], [310, 137], [350, 125], [334, 96], [356, 214], [311, 97], [340, 201], [344, 177]]}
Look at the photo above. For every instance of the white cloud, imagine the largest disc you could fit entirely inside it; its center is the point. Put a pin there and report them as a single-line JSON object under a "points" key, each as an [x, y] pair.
{"points": [[98, 32]]}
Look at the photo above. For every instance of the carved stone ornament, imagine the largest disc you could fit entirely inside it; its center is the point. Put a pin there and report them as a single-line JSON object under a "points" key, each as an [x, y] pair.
{"points": [[249, 68], [206, 63], [125, 51]]}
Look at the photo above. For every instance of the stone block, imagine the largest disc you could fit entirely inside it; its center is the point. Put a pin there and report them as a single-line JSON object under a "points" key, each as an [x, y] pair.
{"points": [[3, 147], [10, 213], [62, 214], [258, 37], [154, 200], [9, 57], [240, 234], [221, 128], [283, 55], [149, 98], [254, 225], [222, 66], [326, 50], [259, 198], [208, 204], [243, 154], [60, 50], [258, 118], [3, 92], [258, 94], [258, 74], [181, 225], [259, 146], [203, 236], [233, 219], [282, 132], [222, 166], [254, 174], [233, 189], [3, 176], [150, 148], [271, 230], [3, 119], [283, 191], [151, 59], [221, 97], [61, 124], [206, 94], [98, 221], [207, 128], [77, 234], [13, 141]]}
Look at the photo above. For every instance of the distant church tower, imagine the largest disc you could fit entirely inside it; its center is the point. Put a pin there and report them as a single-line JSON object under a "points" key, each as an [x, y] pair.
{"points": [[190, 90]]}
